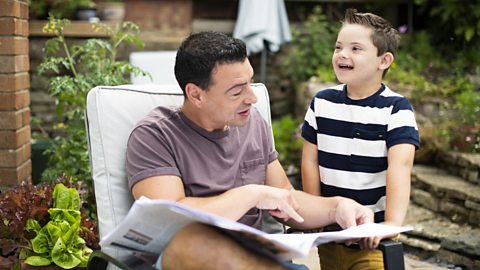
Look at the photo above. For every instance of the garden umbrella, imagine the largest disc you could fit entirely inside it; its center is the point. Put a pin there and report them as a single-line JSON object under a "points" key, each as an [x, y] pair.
{"points": [[263, 26]]}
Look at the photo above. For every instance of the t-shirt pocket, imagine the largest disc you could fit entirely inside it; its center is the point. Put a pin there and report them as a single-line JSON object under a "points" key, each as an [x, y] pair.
{"points": [[369, 150], [253, 171]]}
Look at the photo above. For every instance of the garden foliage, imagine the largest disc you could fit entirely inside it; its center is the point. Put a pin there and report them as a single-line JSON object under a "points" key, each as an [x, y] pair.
{"points": [[77, 69], [59, 240], [24, 203]]}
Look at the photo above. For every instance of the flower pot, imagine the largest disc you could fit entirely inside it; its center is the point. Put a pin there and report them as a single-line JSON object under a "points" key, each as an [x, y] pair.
{"points": [[111, 11], [39, 160], [86, 14]]}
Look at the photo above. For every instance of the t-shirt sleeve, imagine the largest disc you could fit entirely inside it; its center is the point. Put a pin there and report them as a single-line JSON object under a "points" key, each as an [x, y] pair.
{"points": [[402, 127], [148, 154], [309, 127]]}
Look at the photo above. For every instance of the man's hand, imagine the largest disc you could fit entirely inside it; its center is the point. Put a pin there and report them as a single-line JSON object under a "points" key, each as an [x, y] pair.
{"points": [[349, 213], [279, 202]]}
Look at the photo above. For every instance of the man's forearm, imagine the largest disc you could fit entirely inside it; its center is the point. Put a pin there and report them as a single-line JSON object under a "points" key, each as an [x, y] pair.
{"points": [[317, 211], [226, 204]]}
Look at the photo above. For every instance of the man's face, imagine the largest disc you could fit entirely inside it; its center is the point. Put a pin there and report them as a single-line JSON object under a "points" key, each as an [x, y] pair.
{"points": [[229, 99]]}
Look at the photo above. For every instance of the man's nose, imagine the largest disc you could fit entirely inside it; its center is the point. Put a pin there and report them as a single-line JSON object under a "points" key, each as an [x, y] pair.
{"points": [[252, 97]]}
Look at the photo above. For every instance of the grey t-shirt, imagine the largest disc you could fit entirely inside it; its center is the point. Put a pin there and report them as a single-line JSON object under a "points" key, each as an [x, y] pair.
{"points": [[166, 142]]}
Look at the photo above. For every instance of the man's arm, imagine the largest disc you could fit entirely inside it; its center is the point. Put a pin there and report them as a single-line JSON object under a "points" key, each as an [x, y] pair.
{"points": [[232, 204], [317, 211]]}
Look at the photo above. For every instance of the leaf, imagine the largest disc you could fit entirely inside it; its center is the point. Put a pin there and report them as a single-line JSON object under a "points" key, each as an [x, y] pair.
{"points": [[62, 257], [40, 243], [33, 225], [38, 261]]}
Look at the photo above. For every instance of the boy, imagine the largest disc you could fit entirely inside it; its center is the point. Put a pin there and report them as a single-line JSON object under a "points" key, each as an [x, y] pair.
{"points": [[360, 137]]}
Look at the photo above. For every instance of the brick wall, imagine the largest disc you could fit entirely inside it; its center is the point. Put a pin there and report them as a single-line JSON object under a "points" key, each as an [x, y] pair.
{"points": [[15, 164]]}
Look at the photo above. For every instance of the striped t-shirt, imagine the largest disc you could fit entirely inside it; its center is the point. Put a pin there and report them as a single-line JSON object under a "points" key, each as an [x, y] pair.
{"points": [[353, 137]]}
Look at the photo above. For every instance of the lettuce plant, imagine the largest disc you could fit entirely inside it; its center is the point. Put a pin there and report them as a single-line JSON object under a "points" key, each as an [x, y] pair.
{"points": [[59, 240]]}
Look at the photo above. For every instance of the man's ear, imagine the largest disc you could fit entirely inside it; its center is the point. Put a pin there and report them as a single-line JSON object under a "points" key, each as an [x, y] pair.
{"points": [[387, 60], [194, 94]]}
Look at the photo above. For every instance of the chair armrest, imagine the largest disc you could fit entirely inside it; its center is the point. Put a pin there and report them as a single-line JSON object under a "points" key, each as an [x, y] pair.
{"points": [[392, 254], [99, 261]]}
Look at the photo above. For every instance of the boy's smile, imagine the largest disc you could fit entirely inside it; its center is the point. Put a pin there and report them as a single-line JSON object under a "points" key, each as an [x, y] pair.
{"points": [[355, 60]]}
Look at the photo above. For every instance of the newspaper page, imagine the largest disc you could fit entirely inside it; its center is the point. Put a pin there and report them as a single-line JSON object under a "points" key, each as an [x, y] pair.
{"points": [[150, 224]]}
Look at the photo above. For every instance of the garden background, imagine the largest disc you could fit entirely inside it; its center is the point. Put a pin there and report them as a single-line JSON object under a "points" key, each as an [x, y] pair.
{"points": [[43, 93]]}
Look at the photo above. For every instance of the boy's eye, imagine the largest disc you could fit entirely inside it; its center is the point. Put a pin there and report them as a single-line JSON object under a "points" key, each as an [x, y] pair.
{"points": [[356, 48]]}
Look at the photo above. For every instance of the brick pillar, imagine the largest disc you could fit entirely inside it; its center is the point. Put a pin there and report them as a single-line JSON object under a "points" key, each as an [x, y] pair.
{"points": [[15, 164]]}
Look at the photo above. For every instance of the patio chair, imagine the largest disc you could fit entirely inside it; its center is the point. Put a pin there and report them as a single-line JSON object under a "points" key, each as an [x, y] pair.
{"points": [[111, 115]]}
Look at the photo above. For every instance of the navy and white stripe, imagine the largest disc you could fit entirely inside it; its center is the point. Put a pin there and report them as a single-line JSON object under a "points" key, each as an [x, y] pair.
{"points": [[353, 137]]}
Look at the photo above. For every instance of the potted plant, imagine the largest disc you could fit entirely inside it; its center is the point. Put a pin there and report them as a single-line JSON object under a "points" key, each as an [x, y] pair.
{"points": [[111, 10], [42, 222], [77, 69], [40, 9]]}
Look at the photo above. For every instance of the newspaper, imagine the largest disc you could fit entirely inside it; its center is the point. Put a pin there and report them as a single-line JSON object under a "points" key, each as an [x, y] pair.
{"points": [[150, 224]]}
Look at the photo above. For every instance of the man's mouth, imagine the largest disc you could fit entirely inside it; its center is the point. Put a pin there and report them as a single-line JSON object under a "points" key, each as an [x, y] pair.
{"points": [[244, 112]]}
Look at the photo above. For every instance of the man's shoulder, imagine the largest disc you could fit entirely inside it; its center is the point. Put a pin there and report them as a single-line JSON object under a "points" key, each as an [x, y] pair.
{"points": [[159, 115]]}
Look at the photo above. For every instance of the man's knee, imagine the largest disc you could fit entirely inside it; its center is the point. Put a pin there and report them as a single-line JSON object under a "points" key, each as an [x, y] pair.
{"points": [[198, 246]]}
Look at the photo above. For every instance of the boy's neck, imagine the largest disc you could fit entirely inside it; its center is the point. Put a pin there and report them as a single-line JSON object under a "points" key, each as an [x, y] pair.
{"points": [[357, 92]]}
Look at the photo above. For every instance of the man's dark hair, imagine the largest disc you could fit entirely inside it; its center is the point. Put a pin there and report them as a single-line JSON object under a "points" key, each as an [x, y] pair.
{"points": [[199, 54]]}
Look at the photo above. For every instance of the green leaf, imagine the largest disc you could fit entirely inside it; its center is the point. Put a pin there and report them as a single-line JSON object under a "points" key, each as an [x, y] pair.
{"points": [[62, 257], [40, 243], [33, 225], [38, 261]]}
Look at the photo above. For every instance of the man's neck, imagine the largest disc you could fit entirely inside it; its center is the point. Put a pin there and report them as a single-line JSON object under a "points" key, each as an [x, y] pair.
{"points": [[199, 118]]}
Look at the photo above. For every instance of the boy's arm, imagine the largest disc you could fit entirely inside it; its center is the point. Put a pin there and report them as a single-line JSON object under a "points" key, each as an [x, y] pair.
{"points": [[310, 172], [400, 162]]}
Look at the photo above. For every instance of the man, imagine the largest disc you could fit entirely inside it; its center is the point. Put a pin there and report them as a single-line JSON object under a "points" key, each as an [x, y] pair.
{"points": [[215, 154]]}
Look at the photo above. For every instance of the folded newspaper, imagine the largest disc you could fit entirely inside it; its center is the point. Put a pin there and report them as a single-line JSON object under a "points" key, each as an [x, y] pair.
{"points": [[149, 225]]}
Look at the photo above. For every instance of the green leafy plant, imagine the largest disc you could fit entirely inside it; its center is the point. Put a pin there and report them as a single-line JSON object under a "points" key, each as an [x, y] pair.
{"points": [[455, 30], [288, 141], [59, 240], [26, 201], [77, 69], [311, 47]]}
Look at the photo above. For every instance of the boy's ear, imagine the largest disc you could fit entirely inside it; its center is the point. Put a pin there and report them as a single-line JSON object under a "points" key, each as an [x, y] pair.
{"points": [[387, 60], [194, 94]]}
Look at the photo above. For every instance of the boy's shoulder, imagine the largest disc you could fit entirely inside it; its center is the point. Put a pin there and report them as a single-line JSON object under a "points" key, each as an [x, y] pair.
{"points": [[330, 90], [387, 92]]}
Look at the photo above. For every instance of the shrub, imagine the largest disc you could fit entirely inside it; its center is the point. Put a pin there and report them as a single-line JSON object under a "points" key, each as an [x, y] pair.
{"points": [[81, 68]]}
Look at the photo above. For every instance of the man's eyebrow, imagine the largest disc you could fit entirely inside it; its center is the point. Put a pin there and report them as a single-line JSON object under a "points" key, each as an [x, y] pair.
{"points": [[235, 86], [239, 84]]}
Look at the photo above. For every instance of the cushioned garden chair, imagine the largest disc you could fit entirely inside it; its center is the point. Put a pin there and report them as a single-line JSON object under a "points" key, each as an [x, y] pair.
{"points": [[111, 115]]}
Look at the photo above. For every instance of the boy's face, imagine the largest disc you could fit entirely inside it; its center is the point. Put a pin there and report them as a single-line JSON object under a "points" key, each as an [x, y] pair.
{"points": [[229, 99], [355, 59]]}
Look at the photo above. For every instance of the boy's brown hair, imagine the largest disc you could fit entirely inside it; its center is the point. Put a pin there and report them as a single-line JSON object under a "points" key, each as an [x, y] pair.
{"points": [[384, 37]]}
